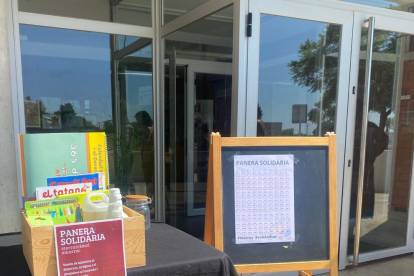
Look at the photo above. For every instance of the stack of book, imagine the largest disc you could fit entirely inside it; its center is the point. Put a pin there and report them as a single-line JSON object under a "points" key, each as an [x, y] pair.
{"points": [[55, 166]]}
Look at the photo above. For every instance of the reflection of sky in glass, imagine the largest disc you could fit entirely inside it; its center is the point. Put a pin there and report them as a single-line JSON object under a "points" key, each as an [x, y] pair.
{"points": [[63, 66], [124, 41], [73, 67], [144, 52], [280, 40], [139, 93]]}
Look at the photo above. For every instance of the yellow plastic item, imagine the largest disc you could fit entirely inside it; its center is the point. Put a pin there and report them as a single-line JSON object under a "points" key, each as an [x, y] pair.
{"points": [[81, 196], [95, 210]]}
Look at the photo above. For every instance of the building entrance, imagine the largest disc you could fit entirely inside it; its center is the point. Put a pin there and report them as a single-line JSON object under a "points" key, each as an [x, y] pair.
{"points": [[309, 72]]}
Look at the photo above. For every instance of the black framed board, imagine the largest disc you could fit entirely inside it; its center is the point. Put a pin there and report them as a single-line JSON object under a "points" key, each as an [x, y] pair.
{"points": [[271, 203]]}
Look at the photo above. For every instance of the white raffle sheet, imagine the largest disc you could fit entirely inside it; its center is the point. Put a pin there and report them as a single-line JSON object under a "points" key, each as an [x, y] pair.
{"points": [[264, 198]]}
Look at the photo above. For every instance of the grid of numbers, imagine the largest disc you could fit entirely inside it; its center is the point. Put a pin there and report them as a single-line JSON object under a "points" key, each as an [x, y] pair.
{"points": [[264, 204]]}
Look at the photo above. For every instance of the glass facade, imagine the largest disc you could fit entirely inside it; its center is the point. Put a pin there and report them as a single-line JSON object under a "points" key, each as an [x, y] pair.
{"points": [[198, 96], [76, 81]]}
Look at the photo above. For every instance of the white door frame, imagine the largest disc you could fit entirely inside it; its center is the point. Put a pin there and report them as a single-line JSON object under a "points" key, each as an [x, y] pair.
{"points": [[388, 24], [206, 67], [307, 11]]}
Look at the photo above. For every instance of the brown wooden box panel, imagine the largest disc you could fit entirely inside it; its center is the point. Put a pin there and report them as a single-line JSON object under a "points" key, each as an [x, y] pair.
{"points": [[39, 244]]}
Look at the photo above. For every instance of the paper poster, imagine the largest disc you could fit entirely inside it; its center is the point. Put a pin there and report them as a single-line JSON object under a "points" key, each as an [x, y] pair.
{"points": [[264, 198], [90, 248]]}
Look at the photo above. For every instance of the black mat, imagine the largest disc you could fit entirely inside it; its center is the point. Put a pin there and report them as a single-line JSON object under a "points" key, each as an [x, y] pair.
{"points": [[12, 261]]}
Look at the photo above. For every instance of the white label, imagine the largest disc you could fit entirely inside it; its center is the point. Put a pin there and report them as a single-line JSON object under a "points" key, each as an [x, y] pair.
{"points": [[54, 191], [264, 198]]}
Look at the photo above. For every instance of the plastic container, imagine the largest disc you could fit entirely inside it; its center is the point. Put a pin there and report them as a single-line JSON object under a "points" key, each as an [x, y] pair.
{"points": [[140, 204], [115, 204], [95, 210], [116, 213]]}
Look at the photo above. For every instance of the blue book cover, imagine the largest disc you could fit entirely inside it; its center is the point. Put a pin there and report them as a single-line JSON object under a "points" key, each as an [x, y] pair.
{"points": [[96, 179]]}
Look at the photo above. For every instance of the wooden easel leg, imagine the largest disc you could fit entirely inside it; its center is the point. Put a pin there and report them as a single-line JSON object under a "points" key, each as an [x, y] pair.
{"points": [[333, 206], [305, 273], [209, 216], [333, 272]]}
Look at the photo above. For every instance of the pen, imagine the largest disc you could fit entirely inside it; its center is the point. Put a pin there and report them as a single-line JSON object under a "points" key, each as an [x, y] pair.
{"points": [[79, 213]]}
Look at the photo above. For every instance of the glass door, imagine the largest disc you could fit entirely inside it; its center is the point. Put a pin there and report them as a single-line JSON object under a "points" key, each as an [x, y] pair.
{"points": [[298, 74], [208, 108], [376, 218], [197, 101]]}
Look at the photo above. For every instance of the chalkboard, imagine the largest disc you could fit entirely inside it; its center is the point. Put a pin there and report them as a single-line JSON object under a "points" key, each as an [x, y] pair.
{"points": [[311, 208], [310, 186]]}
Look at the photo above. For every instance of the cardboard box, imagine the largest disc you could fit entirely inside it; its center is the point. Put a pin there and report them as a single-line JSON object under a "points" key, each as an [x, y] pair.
{"points": [[39, 244]]}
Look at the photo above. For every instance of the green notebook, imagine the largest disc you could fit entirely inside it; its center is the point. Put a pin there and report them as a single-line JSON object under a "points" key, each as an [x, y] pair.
{"points": [[60, 154]]}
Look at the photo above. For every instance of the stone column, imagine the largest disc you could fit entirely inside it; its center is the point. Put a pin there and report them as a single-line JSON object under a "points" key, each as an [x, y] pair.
{"points": [[9, 206]]}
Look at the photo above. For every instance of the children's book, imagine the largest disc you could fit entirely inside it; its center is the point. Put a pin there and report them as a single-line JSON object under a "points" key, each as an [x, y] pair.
{"points": [[97, 180], [60, 154], [54, 191]]}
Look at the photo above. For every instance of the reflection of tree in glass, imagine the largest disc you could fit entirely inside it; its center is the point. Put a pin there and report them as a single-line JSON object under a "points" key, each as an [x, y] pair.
{"points": [[288, 132], [382, 73], [397, 6], [310, 71], [317, 69], [68, 117]]}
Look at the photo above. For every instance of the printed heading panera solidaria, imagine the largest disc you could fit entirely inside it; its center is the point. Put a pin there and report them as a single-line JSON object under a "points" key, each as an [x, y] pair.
{"points": [[262, 163], [80, 235]]}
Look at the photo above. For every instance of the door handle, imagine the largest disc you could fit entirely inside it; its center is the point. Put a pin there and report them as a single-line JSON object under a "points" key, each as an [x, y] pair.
{"points": [[368, 64]]}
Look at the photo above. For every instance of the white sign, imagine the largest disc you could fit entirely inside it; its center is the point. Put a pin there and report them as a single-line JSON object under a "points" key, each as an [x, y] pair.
{"points": [[264, 198]]}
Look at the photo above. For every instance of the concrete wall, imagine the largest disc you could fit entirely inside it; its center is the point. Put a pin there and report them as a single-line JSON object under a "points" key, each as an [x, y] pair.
{"points": [[85, 9], [9, 209], [99, 10]]}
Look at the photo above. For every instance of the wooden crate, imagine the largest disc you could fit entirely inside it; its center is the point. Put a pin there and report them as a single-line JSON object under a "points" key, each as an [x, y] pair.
{"points": [[39, 244]]}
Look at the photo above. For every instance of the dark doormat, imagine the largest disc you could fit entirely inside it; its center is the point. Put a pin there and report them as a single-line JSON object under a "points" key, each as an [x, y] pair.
{"points": [[12, 261]]}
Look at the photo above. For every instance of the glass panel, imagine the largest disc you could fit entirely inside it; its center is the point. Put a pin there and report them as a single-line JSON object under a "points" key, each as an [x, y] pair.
{"points": [[174, 8], [298, 75], [134, 12], [212, 113], [400, 5], [389, 147], [134, 75], [74, 81], [124, 41], [69, 74], [198, 61]]}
